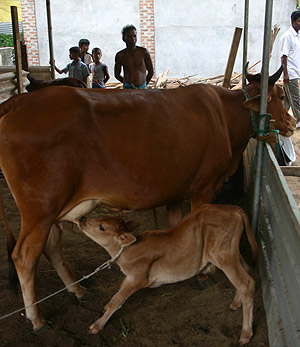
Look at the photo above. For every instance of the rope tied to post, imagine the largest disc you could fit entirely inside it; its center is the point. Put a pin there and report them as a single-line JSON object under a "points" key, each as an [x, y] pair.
{"points": [[268, 134]]}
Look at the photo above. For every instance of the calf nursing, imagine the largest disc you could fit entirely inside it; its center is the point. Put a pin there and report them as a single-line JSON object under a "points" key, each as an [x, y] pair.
{"points": [[207, 237]]}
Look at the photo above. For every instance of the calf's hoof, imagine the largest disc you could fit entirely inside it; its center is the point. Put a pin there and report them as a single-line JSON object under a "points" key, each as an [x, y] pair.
{"points": [[96, 327], [245, 338]]}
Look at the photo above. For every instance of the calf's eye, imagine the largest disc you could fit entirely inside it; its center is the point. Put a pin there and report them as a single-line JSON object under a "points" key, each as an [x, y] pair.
{"points": [[101, 227]]}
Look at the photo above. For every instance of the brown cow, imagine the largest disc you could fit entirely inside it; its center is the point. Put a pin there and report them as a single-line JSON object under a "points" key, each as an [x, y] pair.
{"points": [[64, 151], [208, 236], [67, 81]]}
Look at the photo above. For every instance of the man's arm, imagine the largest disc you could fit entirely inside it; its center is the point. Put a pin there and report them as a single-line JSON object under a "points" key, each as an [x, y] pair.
{"points": [[118, 66], [285, 72], [149, 66]]}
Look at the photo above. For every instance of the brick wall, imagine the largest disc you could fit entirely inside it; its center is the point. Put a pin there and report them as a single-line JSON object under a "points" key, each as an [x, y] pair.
{"points": [[147, 27], [29, 30]]}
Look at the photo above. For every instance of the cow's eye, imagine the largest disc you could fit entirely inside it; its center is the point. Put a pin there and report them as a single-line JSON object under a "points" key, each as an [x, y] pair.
{"points": [[101, 227], [282, 98]]}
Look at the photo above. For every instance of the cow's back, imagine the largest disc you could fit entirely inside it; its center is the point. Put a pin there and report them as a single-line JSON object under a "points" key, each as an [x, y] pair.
{"points": [[136, 149]]}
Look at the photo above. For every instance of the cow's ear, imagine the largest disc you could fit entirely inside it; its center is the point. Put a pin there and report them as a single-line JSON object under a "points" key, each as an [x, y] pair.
{"points": [[126, 239], [253, 103], [132, 225]]}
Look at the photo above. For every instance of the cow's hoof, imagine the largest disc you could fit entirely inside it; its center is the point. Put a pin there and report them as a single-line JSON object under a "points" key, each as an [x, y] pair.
{"points": [[88, 296], [46, 326], [205, 282]]}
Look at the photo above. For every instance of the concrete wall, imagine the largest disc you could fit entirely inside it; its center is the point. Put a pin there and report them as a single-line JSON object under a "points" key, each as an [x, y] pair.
{"points": [[195, 37], [100, 22], [191, 36]]}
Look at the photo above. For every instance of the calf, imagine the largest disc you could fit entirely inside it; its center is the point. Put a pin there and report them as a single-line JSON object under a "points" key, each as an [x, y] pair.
{"points": [[207, 237]]}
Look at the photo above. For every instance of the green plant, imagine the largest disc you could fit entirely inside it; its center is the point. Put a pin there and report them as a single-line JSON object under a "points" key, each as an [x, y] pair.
{"points": [[125, 330], [7, 40]]}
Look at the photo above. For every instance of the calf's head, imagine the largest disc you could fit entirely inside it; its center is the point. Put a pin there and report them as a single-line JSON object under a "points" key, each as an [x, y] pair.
{"points": [[285, 123], [109, 231]]}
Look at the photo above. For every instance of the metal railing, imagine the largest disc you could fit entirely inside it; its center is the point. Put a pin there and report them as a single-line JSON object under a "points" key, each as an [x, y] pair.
{"points": [[279, 240]]}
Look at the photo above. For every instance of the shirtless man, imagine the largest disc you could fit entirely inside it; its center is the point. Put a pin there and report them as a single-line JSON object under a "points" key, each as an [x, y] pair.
{"points": [[135, 60]]}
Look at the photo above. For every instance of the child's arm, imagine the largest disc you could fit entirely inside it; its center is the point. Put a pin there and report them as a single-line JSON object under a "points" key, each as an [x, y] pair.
{"points": [[106, 74], [58, 70]]}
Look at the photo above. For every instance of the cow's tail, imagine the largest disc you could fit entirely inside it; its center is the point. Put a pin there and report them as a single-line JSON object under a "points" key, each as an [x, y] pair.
{"points": [[251, 237], [11, 241]]}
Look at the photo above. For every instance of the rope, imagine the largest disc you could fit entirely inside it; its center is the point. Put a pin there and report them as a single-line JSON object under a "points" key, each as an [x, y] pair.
{"points": [[253, 119], [101, 267], [267, 134]]}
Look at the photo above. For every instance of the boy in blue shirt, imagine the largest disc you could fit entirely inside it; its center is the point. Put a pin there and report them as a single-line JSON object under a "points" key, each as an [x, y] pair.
{"points": [[77, 68]]}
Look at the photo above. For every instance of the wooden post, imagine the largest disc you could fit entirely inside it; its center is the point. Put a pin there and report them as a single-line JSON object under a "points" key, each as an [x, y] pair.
{"points": [[50, 39], [232, 56], [24, 56], [17, 47]]}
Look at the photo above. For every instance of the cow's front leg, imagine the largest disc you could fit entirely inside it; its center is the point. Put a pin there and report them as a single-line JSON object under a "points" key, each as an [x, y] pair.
{"points": [[54, 253], [25, 256], [128, 287]]}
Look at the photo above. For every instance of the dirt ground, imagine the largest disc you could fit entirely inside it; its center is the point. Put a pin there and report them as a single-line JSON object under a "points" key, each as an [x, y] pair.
{"points": [[178, 314]]}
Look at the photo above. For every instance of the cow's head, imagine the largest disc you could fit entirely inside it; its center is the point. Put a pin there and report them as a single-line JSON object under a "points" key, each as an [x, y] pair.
{"points": [[109, 232], [285, 123]]}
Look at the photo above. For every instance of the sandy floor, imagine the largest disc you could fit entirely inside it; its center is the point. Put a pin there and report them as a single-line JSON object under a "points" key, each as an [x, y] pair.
{"points": [[180, 314]]}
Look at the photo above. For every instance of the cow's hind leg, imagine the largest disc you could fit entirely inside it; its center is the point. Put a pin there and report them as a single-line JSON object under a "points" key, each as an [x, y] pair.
{"points": [[27, 251], [54, 253], [245, 285]]}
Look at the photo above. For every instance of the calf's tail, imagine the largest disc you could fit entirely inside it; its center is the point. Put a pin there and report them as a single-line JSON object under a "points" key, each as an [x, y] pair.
{"points": [[11, 241], [251, 238]]}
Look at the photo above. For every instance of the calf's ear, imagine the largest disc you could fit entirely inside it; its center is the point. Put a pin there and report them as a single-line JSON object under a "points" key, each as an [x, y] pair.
{"points": [[126, 239]]}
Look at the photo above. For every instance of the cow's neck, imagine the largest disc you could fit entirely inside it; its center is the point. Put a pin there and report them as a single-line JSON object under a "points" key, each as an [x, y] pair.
{"points": [[239, 118]]}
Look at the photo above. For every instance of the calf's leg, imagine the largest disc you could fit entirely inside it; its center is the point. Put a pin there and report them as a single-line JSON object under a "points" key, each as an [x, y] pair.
{"points": [[54, 253], [127, 288], [245, 285]]}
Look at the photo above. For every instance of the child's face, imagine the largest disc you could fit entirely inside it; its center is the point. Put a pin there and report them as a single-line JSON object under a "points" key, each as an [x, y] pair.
{"points": [[97, 56], [84, 48], [73, 56]]}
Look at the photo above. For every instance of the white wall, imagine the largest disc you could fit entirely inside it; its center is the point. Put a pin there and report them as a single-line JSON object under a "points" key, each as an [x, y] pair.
{"points": [[195, 36], [191, 36]]}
